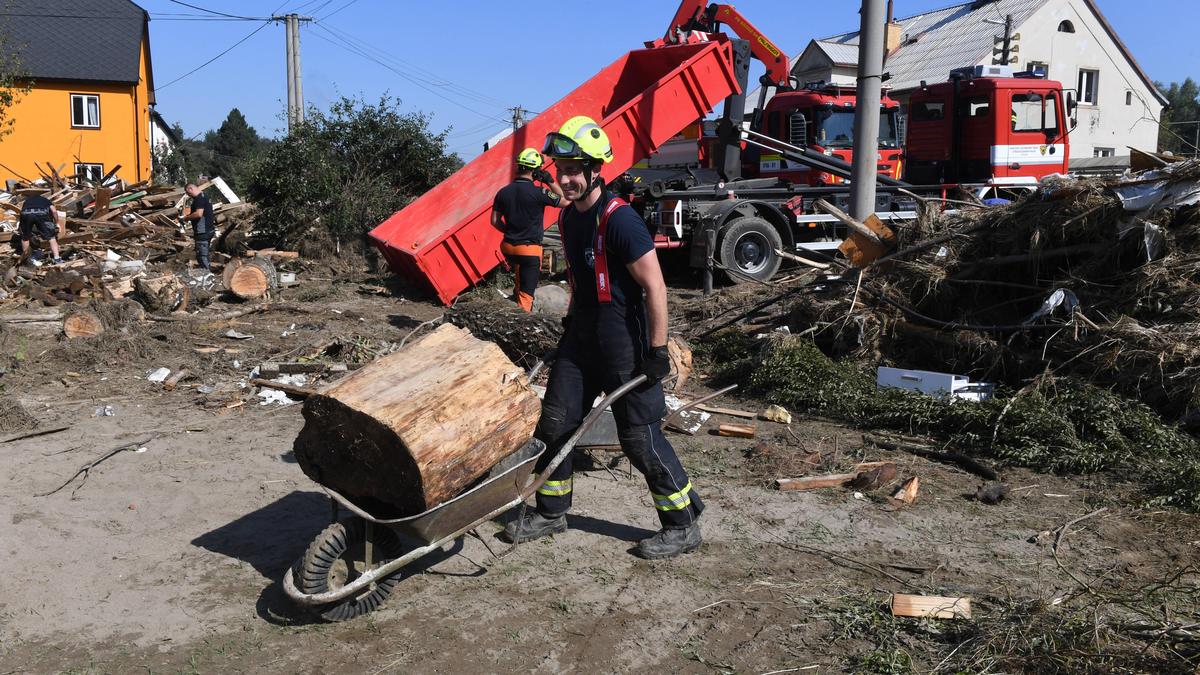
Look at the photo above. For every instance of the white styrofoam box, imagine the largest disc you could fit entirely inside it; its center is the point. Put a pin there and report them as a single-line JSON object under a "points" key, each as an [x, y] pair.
{"points": [[933, 383]]}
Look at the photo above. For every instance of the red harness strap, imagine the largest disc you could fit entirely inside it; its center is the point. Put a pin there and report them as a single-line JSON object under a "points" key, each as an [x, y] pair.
{"points": [[600, 257], [603, 281]]}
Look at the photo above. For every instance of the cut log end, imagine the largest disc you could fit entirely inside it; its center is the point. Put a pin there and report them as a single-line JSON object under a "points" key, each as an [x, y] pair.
{"points": [[253, 279], [82, 323]]}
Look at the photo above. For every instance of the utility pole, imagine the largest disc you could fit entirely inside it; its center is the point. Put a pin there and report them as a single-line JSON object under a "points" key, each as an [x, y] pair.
{"points": [[1007, 40], [295, 88], [518, 117], [866, 112]]}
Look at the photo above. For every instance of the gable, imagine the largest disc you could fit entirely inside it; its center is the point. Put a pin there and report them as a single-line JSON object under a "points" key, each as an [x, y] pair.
{"points": [[93, 41]]}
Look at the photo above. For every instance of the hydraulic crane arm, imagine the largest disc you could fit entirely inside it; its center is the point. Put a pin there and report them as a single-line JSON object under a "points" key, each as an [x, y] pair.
{"points": [[693, 15]]}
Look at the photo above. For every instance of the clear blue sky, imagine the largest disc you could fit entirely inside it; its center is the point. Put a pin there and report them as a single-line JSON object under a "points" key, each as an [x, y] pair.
{"points": [[465, 62]]}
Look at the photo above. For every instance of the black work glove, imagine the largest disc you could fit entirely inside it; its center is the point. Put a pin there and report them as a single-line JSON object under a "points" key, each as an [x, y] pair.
{"points": [[543, 176], [657, 364]]}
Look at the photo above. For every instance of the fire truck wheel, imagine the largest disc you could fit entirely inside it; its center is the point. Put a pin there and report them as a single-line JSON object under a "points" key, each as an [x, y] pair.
{"points": [[748, 250]]}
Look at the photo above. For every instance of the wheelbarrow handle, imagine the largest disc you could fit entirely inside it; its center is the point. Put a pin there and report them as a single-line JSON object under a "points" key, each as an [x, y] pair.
{"points": [[584, 427]]}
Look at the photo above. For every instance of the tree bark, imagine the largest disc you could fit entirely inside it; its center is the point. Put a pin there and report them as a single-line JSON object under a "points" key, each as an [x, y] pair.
{"points": [[413, 429]]}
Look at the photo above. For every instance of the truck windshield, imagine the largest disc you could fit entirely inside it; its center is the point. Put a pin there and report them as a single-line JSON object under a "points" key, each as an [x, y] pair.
{"points": [[835, 128]]}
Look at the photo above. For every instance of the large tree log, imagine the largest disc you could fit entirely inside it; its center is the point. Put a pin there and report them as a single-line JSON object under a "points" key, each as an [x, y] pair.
{"points": [[411, 430], [82, 323], [252, 279], [160, 294]]}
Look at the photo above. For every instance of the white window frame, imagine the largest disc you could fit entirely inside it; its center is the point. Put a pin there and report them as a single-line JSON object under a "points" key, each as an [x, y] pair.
{"points": [[85, 122], [93, 169], [1095, 77], [1104, 152]]}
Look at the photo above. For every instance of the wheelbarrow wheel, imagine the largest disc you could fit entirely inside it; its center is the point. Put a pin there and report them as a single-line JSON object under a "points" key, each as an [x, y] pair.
{"points": [[336, 557]]}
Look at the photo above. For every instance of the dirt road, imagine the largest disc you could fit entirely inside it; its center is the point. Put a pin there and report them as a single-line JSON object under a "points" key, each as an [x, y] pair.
{"points": [[168, 556]]}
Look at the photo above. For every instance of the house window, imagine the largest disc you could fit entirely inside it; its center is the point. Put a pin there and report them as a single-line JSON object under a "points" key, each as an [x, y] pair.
{"points": [[85, 111], [1066, 27], [89, 172], [1089, 84], [1129, 98], [1039, 67], [1103, 152]]}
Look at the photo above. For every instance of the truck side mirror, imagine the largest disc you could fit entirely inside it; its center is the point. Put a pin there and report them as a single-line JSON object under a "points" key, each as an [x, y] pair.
{"points": [[798, 129], [1072, 104]]}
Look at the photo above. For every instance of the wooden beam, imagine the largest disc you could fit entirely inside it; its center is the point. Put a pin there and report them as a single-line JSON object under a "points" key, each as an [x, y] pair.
{"points": [[933, 606]]}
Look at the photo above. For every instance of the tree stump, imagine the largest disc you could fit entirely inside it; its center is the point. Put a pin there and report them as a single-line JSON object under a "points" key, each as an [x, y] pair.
{"points": [[82, 323], [414, 428], [252, 279]]}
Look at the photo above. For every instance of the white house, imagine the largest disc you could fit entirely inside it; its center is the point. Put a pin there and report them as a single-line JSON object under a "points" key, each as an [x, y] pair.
{"points": [[1119, 106]]}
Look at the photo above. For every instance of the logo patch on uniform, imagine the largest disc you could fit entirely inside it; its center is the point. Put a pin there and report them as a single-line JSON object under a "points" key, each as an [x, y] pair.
{"points": [[589, 256]]}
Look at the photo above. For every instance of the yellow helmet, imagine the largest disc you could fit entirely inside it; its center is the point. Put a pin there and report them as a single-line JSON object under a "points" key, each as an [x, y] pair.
{"points": [[579, 138], [530, 159]]}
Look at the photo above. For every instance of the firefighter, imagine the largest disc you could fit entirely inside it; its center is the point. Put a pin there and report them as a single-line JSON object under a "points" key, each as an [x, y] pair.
{"points": [[517, 211], [616, 329]]}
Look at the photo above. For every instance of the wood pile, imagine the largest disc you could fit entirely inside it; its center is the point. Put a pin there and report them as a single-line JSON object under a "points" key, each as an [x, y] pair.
{"points": [[111, 233]]}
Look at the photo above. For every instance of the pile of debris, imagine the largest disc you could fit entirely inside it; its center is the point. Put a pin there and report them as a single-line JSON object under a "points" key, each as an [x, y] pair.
{"points": [[112, 235], [1086, 278]]}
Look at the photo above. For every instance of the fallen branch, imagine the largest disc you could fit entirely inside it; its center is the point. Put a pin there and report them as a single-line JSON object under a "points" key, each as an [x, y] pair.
{"points": [[292, 390], [266, 307], [86, 468], [673, 419], [1062, 531], [35, 434], [969, 464]]}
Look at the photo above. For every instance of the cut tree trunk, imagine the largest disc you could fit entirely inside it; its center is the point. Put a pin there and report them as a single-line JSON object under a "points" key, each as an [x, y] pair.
{"points": [[253, 279], [414, 428], [160, 295], [82, 323]]}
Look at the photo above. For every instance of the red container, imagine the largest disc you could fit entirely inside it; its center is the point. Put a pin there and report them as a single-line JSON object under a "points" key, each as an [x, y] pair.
{"points": [[444, 239]]}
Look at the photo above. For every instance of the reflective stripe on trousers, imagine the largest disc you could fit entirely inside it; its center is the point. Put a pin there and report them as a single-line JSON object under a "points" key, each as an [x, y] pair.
{"points": [[674, 502], [555, 488]]}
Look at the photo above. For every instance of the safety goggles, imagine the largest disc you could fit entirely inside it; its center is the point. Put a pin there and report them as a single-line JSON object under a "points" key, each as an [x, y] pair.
{"points": [[564, 147]]}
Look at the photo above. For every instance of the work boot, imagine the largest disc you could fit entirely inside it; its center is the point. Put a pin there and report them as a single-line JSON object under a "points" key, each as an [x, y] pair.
{"points": [[533, 525], [670, 542], [57, 261]]}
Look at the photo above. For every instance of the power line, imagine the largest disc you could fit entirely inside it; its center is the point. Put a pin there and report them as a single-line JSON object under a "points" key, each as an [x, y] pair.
{"points": [[351, 2], [430, 78], [229, 49], [212, 11], [351, 47]]}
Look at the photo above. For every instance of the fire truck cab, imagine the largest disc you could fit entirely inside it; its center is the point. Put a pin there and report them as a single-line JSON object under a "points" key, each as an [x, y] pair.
{"points": [[987, 125], [821, 117]]}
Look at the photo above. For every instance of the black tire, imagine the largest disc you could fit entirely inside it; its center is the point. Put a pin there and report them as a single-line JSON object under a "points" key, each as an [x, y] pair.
{"points": [[336, 557], [748, 249]]}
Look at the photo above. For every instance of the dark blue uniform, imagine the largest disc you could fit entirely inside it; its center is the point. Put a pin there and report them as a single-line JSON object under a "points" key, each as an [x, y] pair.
{"points": [[37, 218], [602, 349]]}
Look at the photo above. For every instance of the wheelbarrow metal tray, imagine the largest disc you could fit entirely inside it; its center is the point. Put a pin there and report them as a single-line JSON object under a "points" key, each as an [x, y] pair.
{"points": [[500, 487]]}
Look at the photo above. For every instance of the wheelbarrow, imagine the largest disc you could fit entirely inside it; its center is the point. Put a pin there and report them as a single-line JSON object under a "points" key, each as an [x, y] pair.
{"points": [[353, 565]]}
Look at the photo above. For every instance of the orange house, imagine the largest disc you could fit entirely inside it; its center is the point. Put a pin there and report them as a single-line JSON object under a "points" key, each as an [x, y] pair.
{"points": [[88, 111]]}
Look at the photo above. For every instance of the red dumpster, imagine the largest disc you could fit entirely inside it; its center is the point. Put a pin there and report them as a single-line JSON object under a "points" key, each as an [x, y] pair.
{"points": [[444, 240]]}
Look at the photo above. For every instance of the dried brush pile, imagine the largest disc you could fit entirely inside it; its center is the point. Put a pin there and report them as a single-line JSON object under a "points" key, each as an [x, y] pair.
{"points": [[1091, 279]]}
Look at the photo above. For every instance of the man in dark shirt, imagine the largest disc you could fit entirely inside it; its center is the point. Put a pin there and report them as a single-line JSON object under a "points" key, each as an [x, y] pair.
{"points": [[38, 218], [517, 211], [203, 224], [616, 329]]}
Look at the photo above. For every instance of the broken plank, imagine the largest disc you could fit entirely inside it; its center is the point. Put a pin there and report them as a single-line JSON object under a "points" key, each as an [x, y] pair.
{"points": [[727, 411], [814, 482], [933, 606], [736, 430]]}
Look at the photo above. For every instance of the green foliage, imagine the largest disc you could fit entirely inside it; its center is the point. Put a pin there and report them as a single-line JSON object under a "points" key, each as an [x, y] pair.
{"points": [[344, 171], [1183, 106], [1060, 425]]}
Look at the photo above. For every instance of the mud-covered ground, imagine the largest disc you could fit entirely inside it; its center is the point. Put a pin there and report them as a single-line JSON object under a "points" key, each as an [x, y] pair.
{"points": [[168, 557]]}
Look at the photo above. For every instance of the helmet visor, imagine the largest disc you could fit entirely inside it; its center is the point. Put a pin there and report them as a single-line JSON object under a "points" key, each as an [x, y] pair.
{"points": [[558, 145]]}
